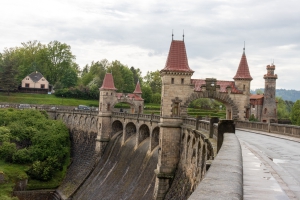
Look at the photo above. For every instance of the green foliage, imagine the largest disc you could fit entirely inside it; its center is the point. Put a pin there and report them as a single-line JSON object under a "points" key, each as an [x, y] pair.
{"points": [[147, 94], [253, 119], [153, 80], [8, 72], [7, 151], [42, 143], [156, 98], [282, 109], [78, 92], [295, 114], [205, 103]]}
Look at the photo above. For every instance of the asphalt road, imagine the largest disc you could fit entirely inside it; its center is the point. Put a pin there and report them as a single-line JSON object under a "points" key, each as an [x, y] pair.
{"points": [[271, 166]]}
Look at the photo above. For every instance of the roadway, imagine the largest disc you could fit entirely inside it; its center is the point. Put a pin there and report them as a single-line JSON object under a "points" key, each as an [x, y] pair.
{"points": [[271, 165]]}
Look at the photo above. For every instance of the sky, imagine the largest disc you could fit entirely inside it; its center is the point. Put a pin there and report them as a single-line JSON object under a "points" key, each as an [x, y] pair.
{"points": [[139, 33]]}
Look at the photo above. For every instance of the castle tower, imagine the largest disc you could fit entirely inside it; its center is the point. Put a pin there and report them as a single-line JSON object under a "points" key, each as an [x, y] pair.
{"points": [[138, 90], [176, 87], [243, 78], [269, 111], [107, 95]]}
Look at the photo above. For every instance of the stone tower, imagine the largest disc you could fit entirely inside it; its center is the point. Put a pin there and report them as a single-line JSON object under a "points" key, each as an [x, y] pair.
{"points": [[242, 80], [269, 112], [176, 87], [106, 97]]}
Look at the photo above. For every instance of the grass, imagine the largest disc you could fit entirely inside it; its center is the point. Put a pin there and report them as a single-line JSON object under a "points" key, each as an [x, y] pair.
{"points": [[12, 173], [44, 99]]}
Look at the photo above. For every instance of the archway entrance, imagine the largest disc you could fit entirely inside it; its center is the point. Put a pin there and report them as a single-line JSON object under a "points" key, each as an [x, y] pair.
{"points": [[206, 107], [231, 108]]}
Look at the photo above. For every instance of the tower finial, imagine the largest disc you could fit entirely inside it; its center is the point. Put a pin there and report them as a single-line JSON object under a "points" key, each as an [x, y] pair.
{"points": [[183, 35], [172, 34], [244, 47]]}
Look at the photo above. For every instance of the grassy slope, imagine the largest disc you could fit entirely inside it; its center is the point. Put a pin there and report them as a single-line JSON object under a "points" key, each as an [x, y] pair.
{"points": [[44, 99]]}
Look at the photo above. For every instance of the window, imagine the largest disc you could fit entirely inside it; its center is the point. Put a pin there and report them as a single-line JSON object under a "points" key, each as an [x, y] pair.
{"points": [[108, 107], [244, 87], [43, 86], [27, 85], [172, 81], [265, 111], [43, 79], [175, 109], [182, 81]]}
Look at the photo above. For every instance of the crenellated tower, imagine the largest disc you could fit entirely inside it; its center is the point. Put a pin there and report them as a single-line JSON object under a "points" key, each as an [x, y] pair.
{"points": [[269, 110]]}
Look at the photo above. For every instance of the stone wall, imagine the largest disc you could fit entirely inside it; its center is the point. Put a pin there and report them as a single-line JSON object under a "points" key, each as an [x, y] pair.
{"points": [[34, 195], [224, 180], [281, 129]]}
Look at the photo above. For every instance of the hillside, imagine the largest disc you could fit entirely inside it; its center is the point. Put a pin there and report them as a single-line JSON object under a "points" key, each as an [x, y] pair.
{"points": [[288, 95]]}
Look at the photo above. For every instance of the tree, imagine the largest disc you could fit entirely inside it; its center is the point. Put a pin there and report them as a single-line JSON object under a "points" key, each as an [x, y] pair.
{"points": [[295, 114], [147, 94], [153, 80], [59, 61], [8, 72], [282, 112], [69, 78]]}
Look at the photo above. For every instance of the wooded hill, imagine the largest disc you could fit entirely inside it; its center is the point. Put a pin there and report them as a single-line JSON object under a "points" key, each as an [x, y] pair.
{"points": [[287, 95]]}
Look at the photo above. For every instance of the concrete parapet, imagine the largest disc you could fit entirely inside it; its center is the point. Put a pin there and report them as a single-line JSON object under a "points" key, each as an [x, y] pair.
{"points": [[224, 180], [281, 129]]}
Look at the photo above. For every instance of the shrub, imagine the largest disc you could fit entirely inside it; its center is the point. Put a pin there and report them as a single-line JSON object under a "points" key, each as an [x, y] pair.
{"points": [[7, 151]]}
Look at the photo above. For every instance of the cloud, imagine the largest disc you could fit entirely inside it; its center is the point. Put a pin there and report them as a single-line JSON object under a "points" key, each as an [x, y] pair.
{"points": [[138, 33]]}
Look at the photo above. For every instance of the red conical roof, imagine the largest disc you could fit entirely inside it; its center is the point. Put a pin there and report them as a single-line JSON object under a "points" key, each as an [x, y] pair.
{"points": [[243, 70], [137, 88], [177, 58], [108, 82]]}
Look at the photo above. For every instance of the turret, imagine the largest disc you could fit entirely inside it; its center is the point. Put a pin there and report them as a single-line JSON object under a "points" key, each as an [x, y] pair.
{"points": [[243, 78], [107, 94], [138, 90], [176, 77], [269, 111]]}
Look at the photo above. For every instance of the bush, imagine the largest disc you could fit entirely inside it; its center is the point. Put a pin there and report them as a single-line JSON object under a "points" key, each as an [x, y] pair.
{"points": [[42, 143], [22, 156], [7, 151]]}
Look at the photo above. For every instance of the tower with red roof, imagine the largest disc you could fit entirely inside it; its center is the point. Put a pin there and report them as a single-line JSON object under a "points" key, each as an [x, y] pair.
{"points": [[242, 77]]}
